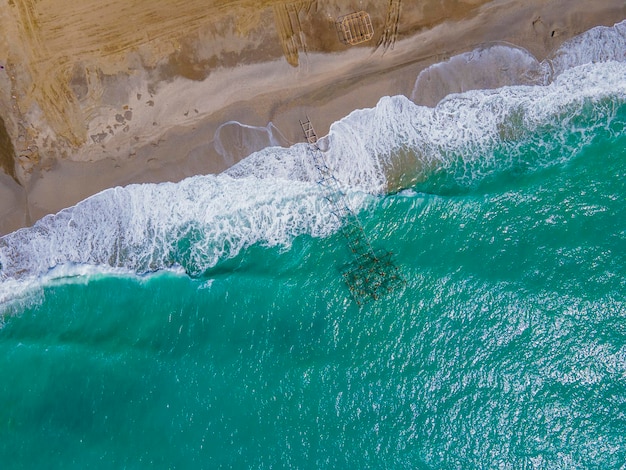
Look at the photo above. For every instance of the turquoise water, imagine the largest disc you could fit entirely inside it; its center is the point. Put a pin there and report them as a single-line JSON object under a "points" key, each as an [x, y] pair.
{"points": [[228, 339]]}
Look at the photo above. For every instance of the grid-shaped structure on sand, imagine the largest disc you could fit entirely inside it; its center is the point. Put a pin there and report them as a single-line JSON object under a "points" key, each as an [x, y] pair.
{"points": [[371, 274], [355, 28]]}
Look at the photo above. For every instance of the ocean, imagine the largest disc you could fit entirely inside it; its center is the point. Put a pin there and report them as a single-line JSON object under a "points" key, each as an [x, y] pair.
{"points": [[207, 324]]}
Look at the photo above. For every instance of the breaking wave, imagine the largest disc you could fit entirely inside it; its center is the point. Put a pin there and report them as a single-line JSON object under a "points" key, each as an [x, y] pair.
{"points": [[509, 65], [271, 196], [192, 224]]}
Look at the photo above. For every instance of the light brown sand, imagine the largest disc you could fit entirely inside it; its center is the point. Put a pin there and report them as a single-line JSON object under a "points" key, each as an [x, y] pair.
{"points": [[115, 92]]}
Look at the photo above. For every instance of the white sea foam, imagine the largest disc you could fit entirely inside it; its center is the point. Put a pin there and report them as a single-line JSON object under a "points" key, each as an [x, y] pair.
{"points": [[498, 65], [507, 65], [235, 141], [599, 44], [477, 124], [18, 294], [141, 227], [270, 197]]}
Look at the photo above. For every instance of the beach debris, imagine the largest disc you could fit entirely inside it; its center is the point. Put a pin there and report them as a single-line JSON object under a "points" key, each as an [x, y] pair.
{"points": [[390, 29], [355, 28], [372, 274], [289, 28]]}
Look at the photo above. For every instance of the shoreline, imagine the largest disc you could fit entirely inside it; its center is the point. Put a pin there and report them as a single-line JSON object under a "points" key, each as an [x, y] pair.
{"points": [[326, 86]]}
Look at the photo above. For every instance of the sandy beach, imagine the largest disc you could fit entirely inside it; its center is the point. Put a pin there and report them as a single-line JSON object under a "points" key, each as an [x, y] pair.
{"points": [[99, 94]]}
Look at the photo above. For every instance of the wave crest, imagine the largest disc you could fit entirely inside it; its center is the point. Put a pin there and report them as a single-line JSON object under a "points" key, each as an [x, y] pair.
{"points": [[271, 196], [149, 227]]}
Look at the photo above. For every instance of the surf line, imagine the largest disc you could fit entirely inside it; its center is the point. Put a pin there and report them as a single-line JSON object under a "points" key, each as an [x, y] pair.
{"points": [[372, 273]]}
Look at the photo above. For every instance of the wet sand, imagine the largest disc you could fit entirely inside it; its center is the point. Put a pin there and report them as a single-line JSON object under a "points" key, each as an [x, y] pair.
{"points": [[91, 100]]}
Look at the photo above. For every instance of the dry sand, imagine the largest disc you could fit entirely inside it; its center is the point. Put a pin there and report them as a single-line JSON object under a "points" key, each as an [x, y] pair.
{"points": [[97, 94]]}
